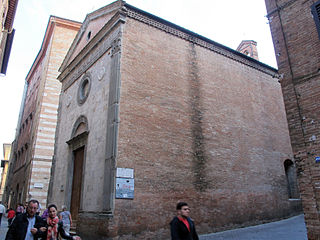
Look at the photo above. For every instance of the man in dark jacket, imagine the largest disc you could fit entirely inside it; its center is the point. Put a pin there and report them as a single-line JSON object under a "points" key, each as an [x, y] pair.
{"points": [[182, 227], [26, 226]]}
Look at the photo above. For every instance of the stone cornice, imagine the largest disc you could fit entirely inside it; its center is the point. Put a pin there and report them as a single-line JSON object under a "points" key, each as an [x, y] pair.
{"points": [[96, 214], [101, 42], [109, 33], [190, 36], [90, 17], [78, 138]]}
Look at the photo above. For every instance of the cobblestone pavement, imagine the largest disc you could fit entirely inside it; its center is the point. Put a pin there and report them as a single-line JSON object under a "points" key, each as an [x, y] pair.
{"points": [[289, 229]]}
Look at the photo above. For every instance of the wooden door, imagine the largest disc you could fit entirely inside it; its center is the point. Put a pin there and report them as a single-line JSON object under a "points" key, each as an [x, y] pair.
{"points": [[76, 182]]}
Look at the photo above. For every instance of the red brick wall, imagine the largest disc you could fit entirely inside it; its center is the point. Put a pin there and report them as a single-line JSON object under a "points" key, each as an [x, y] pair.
{"points": [[297, 47], [199, 127]]}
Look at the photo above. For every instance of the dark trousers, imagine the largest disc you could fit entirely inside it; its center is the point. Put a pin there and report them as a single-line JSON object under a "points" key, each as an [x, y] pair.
{"points": [[0, 218]]}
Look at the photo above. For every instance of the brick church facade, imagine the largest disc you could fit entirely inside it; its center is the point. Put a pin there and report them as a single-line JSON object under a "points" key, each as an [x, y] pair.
{"points": [[295, 29], [151, 114]]}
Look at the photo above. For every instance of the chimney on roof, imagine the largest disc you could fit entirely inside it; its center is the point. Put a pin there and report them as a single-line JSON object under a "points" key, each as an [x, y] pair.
{"points": [[249, 48]]}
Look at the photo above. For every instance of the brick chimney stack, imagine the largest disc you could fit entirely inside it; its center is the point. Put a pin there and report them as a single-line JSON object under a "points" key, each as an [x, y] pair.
{"points": [[249, 48]]}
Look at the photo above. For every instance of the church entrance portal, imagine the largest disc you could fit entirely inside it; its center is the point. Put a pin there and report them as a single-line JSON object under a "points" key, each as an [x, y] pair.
{"points": [[77, 182]]}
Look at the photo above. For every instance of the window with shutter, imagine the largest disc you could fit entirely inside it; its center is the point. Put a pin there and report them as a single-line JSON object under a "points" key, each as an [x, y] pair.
{"points": [[315, 9]]}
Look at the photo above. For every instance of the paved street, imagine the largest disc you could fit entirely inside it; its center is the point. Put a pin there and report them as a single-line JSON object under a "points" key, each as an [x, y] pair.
{"points": [[289, 229], [3, 228]]}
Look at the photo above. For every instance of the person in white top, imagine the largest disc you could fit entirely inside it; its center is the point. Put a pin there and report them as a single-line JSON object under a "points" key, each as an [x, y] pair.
{"points": [[2, 211]]}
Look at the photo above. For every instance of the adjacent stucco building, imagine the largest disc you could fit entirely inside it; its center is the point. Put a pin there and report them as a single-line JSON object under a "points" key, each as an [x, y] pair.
{"points": [[34, 143], [151, 114]]}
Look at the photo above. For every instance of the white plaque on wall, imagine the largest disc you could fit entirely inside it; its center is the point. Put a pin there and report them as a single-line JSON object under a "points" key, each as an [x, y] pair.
{"points": [[125, 172], [38, 185]]}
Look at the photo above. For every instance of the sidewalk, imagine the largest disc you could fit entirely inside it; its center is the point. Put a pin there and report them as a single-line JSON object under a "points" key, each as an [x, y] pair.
{"points": [[292, 228]]}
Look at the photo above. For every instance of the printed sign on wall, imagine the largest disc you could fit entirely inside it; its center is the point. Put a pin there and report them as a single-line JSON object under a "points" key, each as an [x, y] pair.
{"points": [[125, 183]]}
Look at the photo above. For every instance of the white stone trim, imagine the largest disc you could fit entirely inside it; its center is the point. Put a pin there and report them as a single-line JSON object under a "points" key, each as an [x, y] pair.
{"points": [[48, 129], [48, 116], [50, 105], [48, 123], [41, 170], [46, 135], [50, 111], [44, 147], [42, 163], [45, 140], [41, 193], [43, 157]]}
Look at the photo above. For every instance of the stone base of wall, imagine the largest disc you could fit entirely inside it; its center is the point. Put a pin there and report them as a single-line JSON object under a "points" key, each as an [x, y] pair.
{"points": [[102, 225], [94, 225], [296, 206]]}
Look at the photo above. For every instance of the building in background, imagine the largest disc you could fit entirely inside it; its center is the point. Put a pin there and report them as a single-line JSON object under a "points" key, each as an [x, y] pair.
{"points": [[4, 166], [32, 153], [249, 48], [295, 29], [7, 12], [151, 114]]}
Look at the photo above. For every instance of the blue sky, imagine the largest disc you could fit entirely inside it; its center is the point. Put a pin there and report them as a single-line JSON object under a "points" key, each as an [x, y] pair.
{"points": [[227, 22]]}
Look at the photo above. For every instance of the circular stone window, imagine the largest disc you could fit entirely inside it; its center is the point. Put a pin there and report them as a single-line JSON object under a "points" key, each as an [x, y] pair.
{"points": [[84, 88]]}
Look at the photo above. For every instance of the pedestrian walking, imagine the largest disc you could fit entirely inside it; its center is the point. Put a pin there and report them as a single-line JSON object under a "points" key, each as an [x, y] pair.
{"points": [[39, 209], [26, 226], [10, 216], [181, 226], [20, 209], [45, 214], [54, 226], [65, 217], [25, 206], [2, 211]]}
